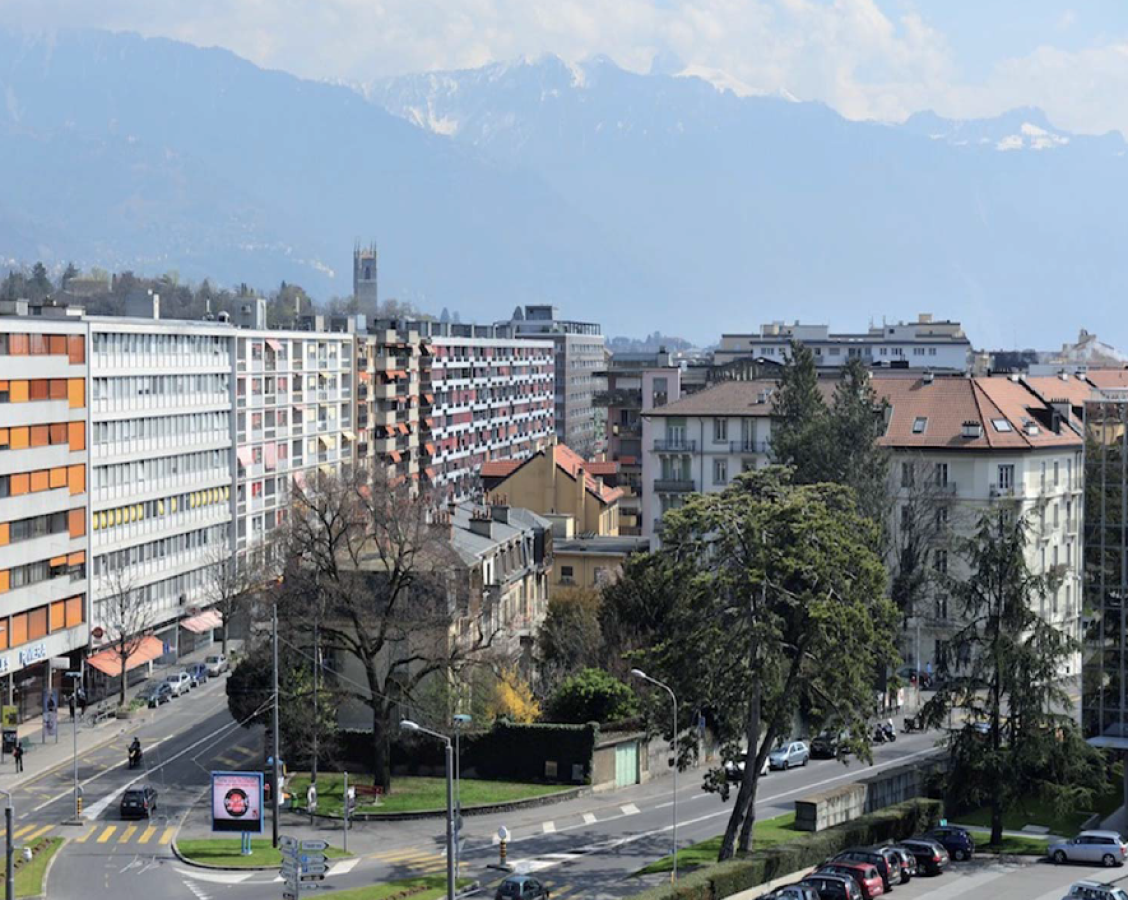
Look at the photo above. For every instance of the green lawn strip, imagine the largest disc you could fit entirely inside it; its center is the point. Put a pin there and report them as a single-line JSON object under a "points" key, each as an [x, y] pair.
{"points": [[1013, 845], [413, 794], [29, 876], [767, 833], [429, 887], [1038, 811], [225, 852]]}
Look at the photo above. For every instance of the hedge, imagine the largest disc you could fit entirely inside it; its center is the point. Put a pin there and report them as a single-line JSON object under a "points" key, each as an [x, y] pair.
{"points": [[722, 880]]}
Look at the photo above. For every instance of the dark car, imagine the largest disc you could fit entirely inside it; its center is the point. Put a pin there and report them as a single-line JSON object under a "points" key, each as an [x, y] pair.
{"points": [[198, 673], [139, 802], [957, 841], [888, 866], [866, 875], [521, 887], [156, 694], [908, 862], [931, 857], [798, 891], [834, 887], [828, 744]]}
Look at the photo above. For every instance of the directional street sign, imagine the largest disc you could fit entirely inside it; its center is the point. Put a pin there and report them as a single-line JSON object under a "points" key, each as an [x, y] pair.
{"points": [[287, 843], [314, 845]]}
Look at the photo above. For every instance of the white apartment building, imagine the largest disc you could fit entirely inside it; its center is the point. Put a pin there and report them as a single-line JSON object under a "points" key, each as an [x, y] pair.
{"points": [[924, 344], [964, 443]]}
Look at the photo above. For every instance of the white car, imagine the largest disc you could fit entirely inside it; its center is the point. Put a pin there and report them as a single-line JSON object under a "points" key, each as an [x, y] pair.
{"points": [[180, 682], [1095, 890], [1104, 847], [734, 768], [217, 665]]}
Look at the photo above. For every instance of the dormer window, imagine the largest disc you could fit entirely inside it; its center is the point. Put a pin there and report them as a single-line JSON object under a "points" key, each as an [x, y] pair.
{"points": [[1001, 425], [919, 424]]}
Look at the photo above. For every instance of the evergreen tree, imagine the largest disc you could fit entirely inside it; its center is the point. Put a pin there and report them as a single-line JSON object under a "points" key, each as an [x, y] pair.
{"points": [[857, 422], [801, 432]]}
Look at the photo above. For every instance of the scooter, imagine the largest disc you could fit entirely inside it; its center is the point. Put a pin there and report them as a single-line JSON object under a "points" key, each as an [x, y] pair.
{"points": [[884, 733], [135, 757]]}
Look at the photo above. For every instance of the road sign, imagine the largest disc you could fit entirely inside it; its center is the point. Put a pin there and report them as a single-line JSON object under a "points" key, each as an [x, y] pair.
{"points": [[315, 845], [287, 843]]}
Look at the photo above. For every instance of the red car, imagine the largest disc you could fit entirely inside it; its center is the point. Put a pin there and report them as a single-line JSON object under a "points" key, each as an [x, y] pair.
{"points": [[865, 874]]}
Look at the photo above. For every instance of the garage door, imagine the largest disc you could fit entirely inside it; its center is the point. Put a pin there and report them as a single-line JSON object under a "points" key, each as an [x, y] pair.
{"points": [[626, 764]]}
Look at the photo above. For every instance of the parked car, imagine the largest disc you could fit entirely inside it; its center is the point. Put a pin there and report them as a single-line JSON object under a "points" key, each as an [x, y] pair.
{"points": [[957, 841], [931, 856], [198, 673], [139, 802], [888, 866], [798, 891], [896, 862], [1095, 890], [521, 887], [834, 887], [156, 694], [909, 866], [912, 676], [180, 682], [1104, 847], [217, 665], [794, 753], [828, 744], [866, 875], [734, 768]]}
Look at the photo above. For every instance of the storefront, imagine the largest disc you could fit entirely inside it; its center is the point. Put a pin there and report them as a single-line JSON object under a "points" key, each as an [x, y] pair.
{"points": [[104, 668], [198, 632], [27, 671]]}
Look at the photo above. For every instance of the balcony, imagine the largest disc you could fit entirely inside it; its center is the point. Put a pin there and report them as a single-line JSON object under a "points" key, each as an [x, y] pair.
{"points": [[749, 447], [675, 445], [1007, 490], [629, 398], [674, 486]]}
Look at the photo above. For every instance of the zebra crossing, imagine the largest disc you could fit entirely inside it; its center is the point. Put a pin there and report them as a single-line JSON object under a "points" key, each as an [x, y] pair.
{"points": [[101, 833], [423, 862]]}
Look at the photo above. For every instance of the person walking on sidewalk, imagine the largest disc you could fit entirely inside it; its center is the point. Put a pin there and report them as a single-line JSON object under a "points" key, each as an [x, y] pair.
{"points": [[17, 755]]}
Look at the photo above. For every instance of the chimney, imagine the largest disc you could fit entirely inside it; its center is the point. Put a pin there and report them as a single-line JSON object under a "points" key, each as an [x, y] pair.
{"points": [[972, 429], [441, 524], [145, 305], [927, 378], [481, 523], [499, 509]]}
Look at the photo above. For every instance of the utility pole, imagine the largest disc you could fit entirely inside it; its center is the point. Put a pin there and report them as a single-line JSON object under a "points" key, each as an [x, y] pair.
{"points": [[10, 863], [316, 690], [276, 792]]}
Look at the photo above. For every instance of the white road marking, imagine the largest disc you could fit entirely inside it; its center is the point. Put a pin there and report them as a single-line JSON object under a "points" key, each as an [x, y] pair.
{"points": [[344, 866], [630, 810], [590, 819], [69, 792], [548, 827], [216, 877], [1101, 875], [963, 885]]}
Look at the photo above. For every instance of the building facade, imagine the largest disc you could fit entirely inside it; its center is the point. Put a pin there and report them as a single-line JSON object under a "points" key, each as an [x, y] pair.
{"points": [[924, 344]]}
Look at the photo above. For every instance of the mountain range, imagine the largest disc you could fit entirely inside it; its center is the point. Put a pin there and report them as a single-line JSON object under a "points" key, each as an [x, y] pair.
{"points": [[636, 200]]}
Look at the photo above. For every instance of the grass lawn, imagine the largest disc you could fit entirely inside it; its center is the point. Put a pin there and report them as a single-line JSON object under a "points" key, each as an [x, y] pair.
{"points": [[768, 833], [1016, 846], [29, 876], [414, 794], [430, 887], [225, 852], [1038, 812]]}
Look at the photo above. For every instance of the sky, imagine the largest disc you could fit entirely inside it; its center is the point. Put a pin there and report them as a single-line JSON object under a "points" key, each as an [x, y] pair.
{"points": [[868, 59]]}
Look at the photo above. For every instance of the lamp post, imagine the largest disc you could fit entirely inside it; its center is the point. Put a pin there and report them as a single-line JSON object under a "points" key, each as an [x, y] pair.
{"points": [[408, 725], [9, 863], [460, 721], [638, 673]]}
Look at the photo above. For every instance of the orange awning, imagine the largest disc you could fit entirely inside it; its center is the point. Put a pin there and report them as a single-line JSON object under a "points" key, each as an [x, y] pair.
{"points": [[395, 455], [109, 662], [430, 448], [430, 398], [76, 558], [205, 621], [403, 428]]}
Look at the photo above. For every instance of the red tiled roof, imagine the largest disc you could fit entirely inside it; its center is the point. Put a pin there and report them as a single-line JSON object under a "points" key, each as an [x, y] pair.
{"points": [[602, 467], [1051, 387], [1108, 379], [500, 468], [572, 463]]}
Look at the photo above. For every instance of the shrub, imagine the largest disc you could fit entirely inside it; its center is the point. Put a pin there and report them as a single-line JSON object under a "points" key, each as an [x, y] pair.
{"points": [[592, 696]]}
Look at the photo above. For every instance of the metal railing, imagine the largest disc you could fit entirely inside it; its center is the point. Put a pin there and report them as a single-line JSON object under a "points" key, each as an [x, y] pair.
{"points": [[675, 445]]}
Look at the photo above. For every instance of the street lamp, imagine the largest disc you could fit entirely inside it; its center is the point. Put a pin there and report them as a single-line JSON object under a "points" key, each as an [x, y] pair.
{"points": [[638, 673], [461, 720], [408, 725], [10, 866]]}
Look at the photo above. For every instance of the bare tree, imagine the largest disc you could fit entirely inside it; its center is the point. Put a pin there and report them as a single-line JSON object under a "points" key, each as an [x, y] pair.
{"points": [[126, 617], [377, 561], [234, 581]]}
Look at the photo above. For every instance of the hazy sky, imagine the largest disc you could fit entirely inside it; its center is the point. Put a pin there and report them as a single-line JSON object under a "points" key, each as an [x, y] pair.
{"points": [[867, 58]]}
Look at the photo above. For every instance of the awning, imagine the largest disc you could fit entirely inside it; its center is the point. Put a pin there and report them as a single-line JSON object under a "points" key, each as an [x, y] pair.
{"points": [[246, 456], [273, 344], [348, 434], [430, 398], [326, 469], [404, 429], [430, 473], [389, 430], [430, 448], [76, 559], [205, 621], [395, 455], [270, 455], [58, 561], [109, 662], [326, 441]]}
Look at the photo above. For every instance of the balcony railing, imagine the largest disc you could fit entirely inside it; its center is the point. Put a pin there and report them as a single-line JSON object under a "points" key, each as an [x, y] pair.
{"points": [[1008, 490], [749, 447], [618, 397], [675, 445], [674, 485]]}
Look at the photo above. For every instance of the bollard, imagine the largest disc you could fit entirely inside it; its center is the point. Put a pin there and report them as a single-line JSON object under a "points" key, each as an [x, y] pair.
{"points": [[501, 850], [78, 805]]}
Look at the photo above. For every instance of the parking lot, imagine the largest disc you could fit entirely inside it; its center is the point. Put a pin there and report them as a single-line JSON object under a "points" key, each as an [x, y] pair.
{"points": [[1009, 878]]}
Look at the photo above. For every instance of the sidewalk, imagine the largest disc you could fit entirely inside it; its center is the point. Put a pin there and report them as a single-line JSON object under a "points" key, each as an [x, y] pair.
{"points": [[40, 757]]}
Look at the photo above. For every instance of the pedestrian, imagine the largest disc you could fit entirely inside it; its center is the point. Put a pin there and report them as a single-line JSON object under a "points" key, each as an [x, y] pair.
{"points": [[17, 755]]}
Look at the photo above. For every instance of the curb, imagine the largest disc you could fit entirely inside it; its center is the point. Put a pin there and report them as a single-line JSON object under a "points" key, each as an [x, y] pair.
{"points": [[207, 867], [47, 871], [480, 810], [18, 785]]}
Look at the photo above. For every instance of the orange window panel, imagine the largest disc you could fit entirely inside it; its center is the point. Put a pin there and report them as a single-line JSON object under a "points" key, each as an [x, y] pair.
{"points": [[76, 393], [59, 477], [40, 435], [40, 480], [5, 580], [38, 389], [17, 345], [18, 392], [75, 609], [20, 483], [19, 629], [38, 344], [58, 616], [57, 344], [76, 559], [58, 389], [37, 624], [76, 435], [3, 437], [3, 534], [76, 479], [76, 349], [58, 433], [19, 438], [76, 522], [4, 633]]}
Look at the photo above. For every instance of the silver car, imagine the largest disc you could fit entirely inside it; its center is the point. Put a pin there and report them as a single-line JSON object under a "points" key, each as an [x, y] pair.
{"points": [[180, 682], [1094, 890], [1104, 847], [794, 753]]}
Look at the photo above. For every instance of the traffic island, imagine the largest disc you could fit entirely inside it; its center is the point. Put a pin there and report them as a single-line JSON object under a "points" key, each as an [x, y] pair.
{"points": [[224, 853], [31, 875], [429, 887]]}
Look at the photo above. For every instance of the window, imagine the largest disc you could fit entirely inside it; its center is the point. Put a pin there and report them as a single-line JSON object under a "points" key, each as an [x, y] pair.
{"points": [[1001, 425], [919, 424], [940, 561], [931, 351], [942, 517], [908, 474], [1057, 473], [720, 471], [720, 431], [906, 518], [941, 474], [1006, 477], [566, 572]]}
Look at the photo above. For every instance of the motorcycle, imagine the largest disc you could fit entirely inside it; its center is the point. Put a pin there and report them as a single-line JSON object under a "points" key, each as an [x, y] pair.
{"points": [[913, 724], [884, 733], [135, 758]]}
